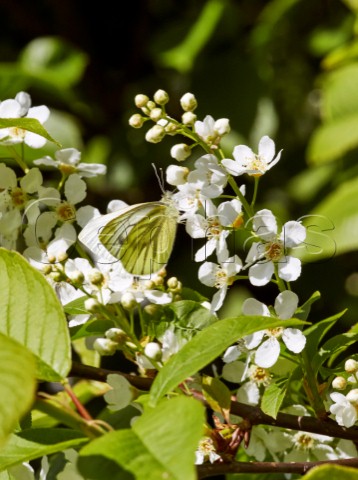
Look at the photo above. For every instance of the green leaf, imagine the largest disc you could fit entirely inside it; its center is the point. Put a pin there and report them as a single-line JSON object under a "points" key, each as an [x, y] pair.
{"points": [[92, 327], [304, 310], [17, 384], [339, 92], [31, 314], [77, 306], [332, 348], [217, 394], [332, 224], [30, 444], [206, 346], [158, 446], [191, 314], [332, 140], [316, 332], [182, 57], [273, 397], [333, 472], [29, 124]]}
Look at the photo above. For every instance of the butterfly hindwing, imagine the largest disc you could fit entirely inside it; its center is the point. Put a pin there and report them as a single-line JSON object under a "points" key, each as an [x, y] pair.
{"points": [[142, 237]]}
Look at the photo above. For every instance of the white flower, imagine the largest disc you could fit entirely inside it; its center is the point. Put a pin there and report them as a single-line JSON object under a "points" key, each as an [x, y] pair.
{"points": [[206, 452], [208, 176], [246, 161], [344, 409], [268, 352], [188, 102], [220, 276], [264, 256], [180, 152], [212, 226], [68, 161], [20, 108], [210, 130], [176, 175]]}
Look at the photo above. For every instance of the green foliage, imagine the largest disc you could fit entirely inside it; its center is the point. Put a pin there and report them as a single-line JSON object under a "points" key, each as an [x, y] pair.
{"points": [[32, 315], [335, 472]]}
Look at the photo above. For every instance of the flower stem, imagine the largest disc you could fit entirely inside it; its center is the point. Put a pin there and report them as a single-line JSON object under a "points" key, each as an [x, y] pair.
{"points": [[241, 197], [256, 184]]}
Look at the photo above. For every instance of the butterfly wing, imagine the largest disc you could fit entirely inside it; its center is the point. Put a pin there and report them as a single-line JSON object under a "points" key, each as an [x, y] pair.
{"points": [[142, 237]]}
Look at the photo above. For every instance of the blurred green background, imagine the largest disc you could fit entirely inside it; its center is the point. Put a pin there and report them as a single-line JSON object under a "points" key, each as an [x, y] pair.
{"points": [[285, 68]]}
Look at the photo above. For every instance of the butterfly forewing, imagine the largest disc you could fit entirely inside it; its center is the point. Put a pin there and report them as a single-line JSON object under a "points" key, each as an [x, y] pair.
{"points": [[142, 238]]}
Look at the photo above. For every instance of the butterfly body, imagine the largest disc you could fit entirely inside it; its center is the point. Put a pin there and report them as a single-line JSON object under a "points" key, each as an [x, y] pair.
{"points": [[140, 236]]}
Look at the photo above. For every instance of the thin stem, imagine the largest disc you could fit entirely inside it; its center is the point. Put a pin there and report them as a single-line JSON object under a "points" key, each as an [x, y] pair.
{"points": [[256, 184], [241, 197], [19, 160], [311, 387]]}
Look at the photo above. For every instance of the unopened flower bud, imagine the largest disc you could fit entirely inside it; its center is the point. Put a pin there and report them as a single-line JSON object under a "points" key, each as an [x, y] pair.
{"points": [[351, 365], [62, 257], [176, 175], [116, 335], [56, 276], [155, 134], [171, 128], [77, 277], [339, 383], [153, 350], [51, 258], [188, 118], [180, 152], [149, 284], [136, 120], [91, 305], [222, 126], [158, 280], [151, 309], [352, 396], [46, 269], [188, 102], [172, 282], [150, 105], [141, 100], [95, 277], [128, 301], [161, 97], [104, 346], [156, 114]]}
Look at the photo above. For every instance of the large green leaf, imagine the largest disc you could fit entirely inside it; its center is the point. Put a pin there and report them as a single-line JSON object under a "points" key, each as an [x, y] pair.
{"points": [[332, 140], [273, 397], [208, 345], [17, 384], [34, 443], [29, 124], [31, 314], [332, 228], [158, 446], [333, 472]]}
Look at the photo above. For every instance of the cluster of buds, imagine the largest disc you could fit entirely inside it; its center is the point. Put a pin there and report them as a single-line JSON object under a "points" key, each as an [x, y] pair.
{"points": [[208, 131], [351, 368]]}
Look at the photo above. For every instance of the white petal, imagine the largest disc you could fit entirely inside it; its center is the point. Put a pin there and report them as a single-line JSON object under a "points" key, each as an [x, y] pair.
{"points": [[196, 226], [285, 304], [48, 161], [243, 155], [205, 251], [116, 205], [267, 353], [248, 393], [207, 273], [233, 167], [293, 233], [24, 100], [70, 156], [7, 177], [289, 270], [266, 149], [89, 170], [34, 141], [222, 252], [349, 416], [86, 214], [218, 299], [231, 354], [228, 212], [41, 113], [294, 339], [75, 189], [265, 225], [10, 109], [157, 297], [232, 266], [253, 340], [251, 306], [31, 181], [261, 273]]}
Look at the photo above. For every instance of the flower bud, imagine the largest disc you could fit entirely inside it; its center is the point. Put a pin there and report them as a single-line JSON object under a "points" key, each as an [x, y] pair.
{"points": [[136, 120], [62, 256], [155, 134], [150, 105], [151, 309], [149, 284], [95, 277], [351, 365], [116, 335], [180, 152], [176, 175], [188, 102], [172, 282], [339, 383], [141, 100], [161, 97], [352, 396], [153, 350], [46, 269], [156, 114], [171, 128], [188, 118], [77, 277], [222, 126], [128, 301], [92, 305], [56, 276], [104, 346]]}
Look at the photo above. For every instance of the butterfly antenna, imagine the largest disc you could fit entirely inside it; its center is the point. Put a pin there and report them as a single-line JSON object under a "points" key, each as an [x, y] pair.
{"points": [[160, 178]]}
